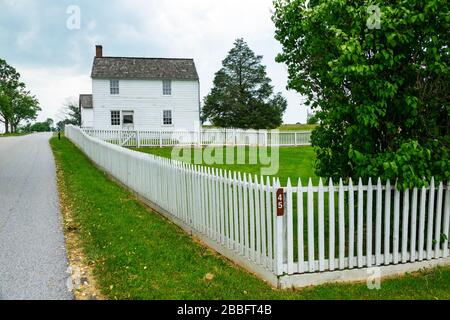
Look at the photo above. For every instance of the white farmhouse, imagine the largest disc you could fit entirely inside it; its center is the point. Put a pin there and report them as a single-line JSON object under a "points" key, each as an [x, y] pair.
{"points": [[142, 94]]}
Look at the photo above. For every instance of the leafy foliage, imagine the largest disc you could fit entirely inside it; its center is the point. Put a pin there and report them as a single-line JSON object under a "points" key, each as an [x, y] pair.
{"points": [[16, 104], [242, 96], [313, 120], [46, 126], [71, 113], [382, 95], [25, 107]]}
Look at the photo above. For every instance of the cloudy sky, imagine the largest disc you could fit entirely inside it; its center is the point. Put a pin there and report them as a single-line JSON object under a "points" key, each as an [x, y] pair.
{"points": [[55, 61]]}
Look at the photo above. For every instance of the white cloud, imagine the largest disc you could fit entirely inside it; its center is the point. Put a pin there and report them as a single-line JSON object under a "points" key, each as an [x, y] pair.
{"points": [[52, 86], [206, 30], [55, 63]]}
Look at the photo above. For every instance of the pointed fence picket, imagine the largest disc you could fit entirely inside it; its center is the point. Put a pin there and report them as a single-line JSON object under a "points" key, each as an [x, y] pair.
{"points": [[328, 227]]}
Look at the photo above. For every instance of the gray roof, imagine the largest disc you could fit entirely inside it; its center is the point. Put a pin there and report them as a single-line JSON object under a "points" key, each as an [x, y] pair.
{"points": [[144, 68], [86, 101]]}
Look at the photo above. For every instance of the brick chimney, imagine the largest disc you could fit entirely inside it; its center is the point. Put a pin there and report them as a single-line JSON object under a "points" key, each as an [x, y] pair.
{"points": [[98, 51]]}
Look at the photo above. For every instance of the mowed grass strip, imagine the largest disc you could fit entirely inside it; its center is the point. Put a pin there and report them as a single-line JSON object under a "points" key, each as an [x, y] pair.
{"points": [[136, 254]]}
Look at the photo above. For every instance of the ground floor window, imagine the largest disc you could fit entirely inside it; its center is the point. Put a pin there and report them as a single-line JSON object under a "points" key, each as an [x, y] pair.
{"points": [[115, 118], [128, 117], [128, 120], [167, 118]]}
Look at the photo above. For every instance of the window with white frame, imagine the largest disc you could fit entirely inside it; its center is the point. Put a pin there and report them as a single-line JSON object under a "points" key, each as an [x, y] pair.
{"points": [[167, 118], [115, 118], [114, 86], [167, 87]]}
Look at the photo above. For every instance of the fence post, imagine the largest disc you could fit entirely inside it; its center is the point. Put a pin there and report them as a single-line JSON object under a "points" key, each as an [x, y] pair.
{"points": [[266, 138], [281, 230], [160, 139], [138, 139]]}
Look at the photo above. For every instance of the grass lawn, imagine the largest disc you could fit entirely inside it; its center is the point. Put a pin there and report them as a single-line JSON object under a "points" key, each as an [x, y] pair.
{"points": [[297, 127], [136, 254], [6, 135], [294, 163]]}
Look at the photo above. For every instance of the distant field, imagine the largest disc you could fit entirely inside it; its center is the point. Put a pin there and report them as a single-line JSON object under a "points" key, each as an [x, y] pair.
{"points": [[288, 127], [300, 127]]}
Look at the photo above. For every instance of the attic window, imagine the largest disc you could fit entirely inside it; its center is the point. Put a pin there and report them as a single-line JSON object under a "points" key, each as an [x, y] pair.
{"points": [[167, 87], [114, 86]]}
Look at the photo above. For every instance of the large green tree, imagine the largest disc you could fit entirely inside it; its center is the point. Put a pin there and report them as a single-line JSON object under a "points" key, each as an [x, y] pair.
{"points": [[46, 126], [16, 104], [379, 77], [25, 107], [242, 96], [10, 85]]}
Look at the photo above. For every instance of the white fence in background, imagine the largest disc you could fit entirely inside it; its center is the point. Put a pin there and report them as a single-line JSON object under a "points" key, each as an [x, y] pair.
{"points": [[322, 229], [224, 137]]}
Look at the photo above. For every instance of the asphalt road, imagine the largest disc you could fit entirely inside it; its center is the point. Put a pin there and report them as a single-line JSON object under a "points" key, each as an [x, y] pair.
{"points": [[33, 262]]}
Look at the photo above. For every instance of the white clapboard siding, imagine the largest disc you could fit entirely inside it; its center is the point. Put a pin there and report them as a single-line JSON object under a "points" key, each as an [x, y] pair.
{"points": [[145, 99], [380, 225]]}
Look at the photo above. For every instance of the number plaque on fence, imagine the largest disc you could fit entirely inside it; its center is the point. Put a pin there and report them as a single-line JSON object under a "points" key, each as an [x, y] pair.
{"points": [[280, 202]]}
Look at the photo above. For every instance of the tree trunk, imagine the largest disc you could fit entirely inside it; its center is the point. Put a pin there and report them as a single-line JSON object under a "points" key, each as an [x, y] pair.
{"points": [[6, 126]]}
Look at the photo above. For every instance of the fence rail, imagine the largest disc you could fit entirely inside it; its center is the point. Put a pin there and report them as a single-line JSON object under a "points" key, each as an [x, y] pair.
{"points": [[321, 229], [223, 137]]}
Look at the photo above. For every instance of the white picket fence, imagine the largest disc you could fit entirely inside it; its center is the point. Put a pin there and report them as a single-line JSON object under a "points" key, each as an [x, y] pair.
{"points": [[339, 227], [223, 137], [322, 228]]}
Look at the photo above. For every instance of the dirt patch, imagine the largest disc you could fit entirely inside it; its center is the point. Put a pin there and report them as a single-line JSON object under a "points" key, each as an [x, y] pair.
{"points": [[84, 284]]}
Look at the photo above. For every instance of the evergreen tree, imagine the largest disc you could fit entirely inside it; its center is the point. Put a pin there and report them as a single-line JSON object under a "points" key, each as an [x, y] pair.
{"points": [[242, 96]]}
